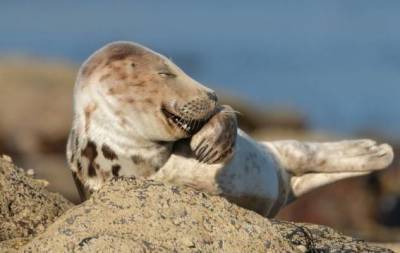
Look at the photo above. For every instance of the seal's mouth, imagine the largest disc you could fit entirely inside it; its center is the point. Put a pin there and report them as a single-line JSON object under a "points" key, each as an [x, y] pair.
{"points": [[189, 126]]}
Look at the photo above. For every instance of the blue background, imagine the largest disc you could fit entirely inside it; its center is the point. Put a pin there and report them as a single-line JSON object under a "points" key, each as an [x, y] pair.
{"points": [[337, 62]]}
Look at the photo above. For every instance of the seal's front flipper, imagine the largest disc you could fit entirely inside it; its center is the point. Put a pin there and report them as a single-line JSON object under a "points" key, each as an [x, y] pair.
{"points": [[299, 158], [215, 141]]}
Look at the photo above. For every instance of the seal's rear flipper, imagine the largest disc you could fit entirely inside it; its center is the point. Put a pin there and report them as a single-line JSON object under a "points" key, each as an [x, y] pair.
{"points": [[305, 183], [312, 165], [300, 158]]}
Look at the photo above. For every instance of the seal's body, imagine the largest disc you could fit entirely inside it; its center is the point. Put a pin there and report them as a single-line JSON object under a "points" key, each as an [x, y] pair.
{"points": [[136, 114]]}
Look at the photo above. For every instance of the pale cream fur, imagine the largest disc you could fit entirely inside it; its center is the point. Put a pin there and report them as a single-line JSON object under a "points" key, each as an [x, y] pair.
{"points": [[262, 176]]}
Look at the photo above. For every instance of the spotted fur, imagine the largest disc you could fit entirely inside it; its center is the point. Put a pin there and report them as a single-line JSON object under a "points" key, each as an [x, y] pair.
{"points": [[90, 152], [115, 170], [108, 153], [118, 84], [138, 115]]}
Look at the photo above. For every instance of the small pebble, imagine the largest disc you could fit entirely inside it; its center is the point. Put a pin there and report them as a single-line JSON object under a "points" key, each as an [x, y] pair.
{"points": [[7, 158], [301, 248], [42, 182], [30, 172]]}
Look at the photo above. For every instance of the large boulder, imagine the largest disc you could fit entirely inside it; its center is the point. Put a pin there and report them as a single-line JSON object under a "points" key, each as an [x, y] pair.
{"points": [[129, 215]]}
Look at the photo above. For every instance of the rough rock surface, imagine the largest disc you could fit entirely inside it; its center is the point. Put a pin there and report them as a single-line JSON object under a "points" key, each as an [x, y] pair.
{"points": [[317, 238], [143, 216], [26, 207], [149, 216], [130, 215]]}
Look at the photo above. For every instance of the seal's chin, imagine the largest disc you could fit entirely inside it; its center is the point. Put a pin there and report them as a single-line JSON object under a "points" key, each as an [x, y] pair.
{"points": [[189, 126]]}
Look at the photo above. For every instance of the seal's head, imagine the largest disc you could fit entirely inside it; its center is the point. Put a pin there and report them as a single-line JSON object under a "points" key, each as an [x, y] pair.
{"points": [[127, 87]]}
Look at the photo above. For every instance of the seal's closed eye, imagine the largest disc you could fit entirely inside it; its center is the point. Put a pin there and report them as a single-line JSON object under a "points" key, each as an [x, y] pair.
{"points": [[167, 74]]}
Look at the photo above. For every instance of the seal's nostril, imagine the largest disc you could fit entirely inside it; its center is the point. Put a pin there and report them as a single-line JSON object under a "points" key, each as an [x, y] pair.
{"points": [[212, 96]]}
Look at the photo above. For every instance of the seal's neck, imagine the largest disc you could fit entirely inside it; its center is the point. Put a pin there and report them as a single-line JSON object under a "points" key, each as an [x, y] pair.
{"points": [[97, 119], [98, 126], [112, 147], [101, 126]]}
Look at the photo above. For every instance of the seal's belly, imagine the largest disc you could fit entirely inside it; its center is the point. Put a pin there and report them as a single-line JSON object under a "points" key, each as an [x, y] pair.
{"points": [[251, 176]]}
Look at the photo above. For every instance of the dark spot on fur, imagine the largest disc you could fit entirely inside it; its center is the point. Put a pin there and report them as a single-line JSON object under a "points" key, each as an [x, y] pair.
{"points": [[105, 174], [122, 76], [133, 65], [118, 88], [104, 77], [79, 165], [157, 168], [115, 57], [108, 152], [116, 69], [91, 66], [111, 53], [80, 187], [149, 101], [119, 56], [121, 51], [91, 171], [108, 62], [72, 158], [130, 100], [136, 159], [115, 170], [123, 122], [322, 163], [111, 91], [76, 143], [90, 153]]}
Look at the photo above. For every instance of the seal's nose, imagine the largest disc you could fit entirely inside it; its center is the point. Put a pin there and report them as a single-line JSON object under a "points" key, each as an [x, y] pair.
{"points": [[212, 96]]}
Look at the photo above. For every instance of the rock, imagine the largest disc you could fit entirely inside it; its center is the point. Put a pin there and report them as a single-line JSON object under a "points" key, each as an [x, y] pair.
{"points": [[147, 216], [317, 238], [26, 207], [393, 246], [12, 245], [129, 215]]}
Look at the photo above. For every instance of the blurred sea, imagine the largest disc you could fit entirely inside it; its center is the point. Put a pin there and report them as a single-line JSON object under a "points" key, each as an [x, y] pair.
{"points": [[337, 62]]}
